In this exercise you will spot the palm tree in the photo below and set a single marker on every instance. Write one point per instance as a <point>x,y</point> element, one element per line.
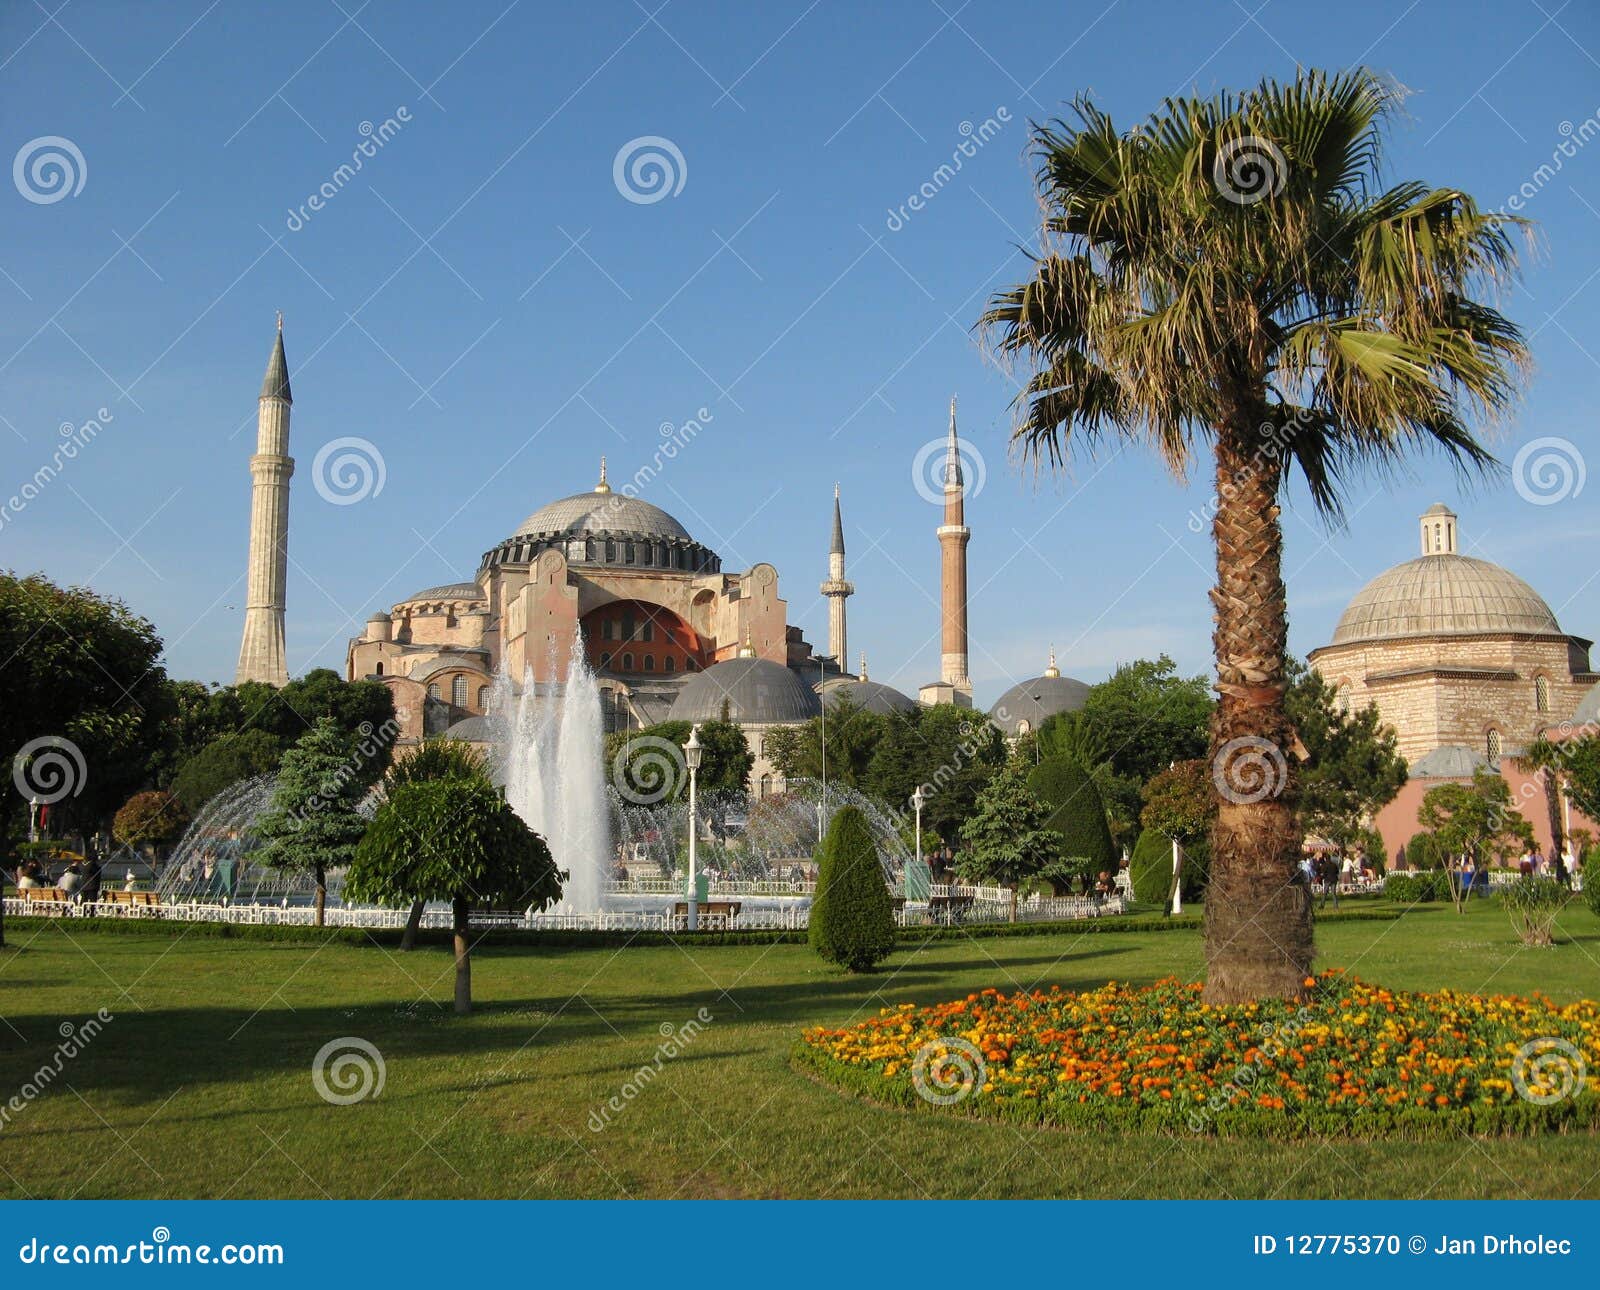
<point>1230,276</point>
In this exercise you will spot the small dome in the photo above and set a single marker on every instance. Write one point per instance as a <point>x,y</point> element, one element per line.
<point>474,730</point>
<point>608,512</point>
<point>1036,701</point>
<point>756,691</point>
<point>1445,595</point>
<point>871,695</point>
<point>1448,762</point>
<point>447,591</point>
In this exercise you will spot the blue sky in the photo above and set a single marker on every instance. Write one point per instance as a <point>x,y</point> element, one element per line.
<point>483,303</point>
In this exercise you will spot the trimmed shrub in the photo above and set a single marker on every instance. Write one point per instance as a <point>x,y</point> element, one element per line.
<point>1424,852</point>
<point>1591,879</point>
<point>1077,813</point>
<point>852,918</point>
<point>1150,868</point>
<point>1416,888</point>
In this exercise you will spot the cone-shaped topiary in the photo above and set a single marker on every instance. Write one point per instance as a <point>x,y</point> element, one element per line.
<point>852,918</point>
<point>1077,813</point>
<point>1150,868</point>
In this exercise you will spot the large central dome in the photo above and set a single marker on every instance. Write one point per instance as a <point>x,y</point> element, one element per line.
<point>601,511</point>
<point>1444,594</point>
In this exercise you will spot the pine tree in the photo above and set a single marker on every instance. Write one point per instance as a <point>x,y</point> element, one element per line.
<point>1007,840</point>
<point>852,917</point>
<point>312,825</point>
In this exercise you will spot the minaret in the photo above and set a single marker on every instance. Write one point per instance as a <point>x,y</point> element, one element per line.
<point>953,536</point>
<point>261,651</point>
<point>837,590</point>
<point>1052,670</point>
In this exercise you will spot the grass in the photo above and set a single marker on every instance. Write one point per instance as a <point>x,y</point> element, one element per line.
<point>201,1084</point>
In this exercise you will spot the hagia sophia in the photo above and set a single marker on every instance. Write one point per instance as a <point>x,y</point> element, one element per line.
<point>1460,656</point>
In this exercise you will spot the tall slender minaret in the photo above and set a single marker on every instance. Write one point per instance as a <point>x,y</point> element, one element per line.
<point>261,651</point>
<point>953,536</point>
<point>837,590</point>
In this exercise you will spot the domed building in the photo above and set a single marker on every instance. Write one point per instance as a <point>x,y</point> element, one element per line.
<point>1463,659</point>
<point>1029,704</point>
<point>1455,651</point>
<point>859,690</point>
<point>667,631</point>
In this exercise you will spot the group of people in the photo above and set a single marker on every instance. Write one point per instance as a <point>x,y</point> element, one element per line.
<point>83,878</point>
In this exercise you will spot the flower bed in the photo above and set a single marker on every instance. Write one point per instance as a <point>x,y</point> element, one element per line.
<point>1350,1058</point>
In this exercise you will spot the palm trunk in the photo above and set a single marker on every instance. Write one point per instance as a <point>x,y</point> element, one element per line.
<point>408,940</point>
<point>463,957</point>
<point>1257,914</point>
<point>321,902</point>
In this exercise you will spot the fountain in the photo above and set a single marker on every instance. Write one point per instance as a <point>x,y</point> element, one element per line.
<point>548,745</point>
<point>212,861</point>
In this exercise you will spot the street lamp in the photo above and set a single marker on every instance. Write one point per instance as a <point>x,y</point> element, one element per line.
<point>692,753</point>
<point>918,798</point>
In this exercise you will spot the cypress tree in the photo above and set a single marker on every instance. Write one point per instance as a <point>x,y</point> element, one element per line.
<point>852,916</point>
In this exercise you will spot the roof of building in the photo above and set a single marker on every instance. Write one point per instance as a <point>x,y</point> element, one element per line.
<point>1445,595</point>
<point>1449,762</point>
<point>836,544</point>
<point>477,730</point>
<point>874,696</point>
<point>602,511</point>
<point>1038,700</point>
<point>275,385</point>
<point>756,691</point>
<point>447,591</point>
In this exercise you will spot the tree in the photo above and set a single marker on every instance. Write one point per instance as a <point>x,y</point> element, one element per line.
<point>852,917</point>
<point>1352,766</point>
<point>430,761</point>
<point>1007,838</point>
<point>1230,280</point>
<point>951,752</point>
<point>453,839</point>
<point>1475,820</point>
<point>224,762</point>
<point>1569,765</point>
<point>150,819</point>
<point>636,769</point>
<point>85,669</point>
<point>1181,802</point>
<point>313,825</point>
<point>852,736</point>
<point>1076,817</point>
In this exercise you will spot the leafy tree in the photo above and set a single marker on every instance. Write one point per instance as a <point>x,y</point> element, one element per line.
<point>312,824</point>
<point>952,752</point>
<point>1074,736</point>
<point>150,819</point>
<point>1476,820</point>
<point>1181,802</point>
<point>1230,284</point>
<point>224,762</point>
<point>725,762</point>
<point>430,761</point>
<point>1572,765</point>
<point>1534,903</point>
<point>82,667</point>
<point>1076,817</point>
<point>1352,767</point>
<point>852,917</point>
<point>1007,839</point>
<point>453,839</point>
<point>853,734</point>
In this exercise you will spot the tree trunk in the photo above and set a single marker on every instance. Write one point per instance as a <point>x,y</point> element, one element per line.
<point>1552,805</point>
<point>1257,911</point>
<point>321,898</point>
<point>463,957</point>
<point>408,941</point>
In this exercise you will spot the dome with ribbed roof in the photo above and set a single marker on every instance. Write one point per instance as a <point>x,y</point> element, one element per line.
<point>1029,704</point>
<point>447,591</point>
<point>756,691</point>
<point>601,511</point>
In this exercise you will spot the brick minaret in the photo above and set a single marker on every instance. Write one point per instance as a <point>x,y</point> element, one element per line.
<point>261,651</point>
<point>953,536</point>
<point>837,590</point>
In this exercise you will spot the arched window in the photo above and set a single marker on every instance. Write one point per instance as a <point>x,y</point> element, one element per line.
<point>627,662</point>
<point>483,696</point>
<point>605,659</point>
<point>766,786</point>
<point>1541,693</point>
<point>648,632</point>
<point>380,669</point>
<point>433,689</point>
<point>1024,726</point>
<point>458,691</point>
<point>649,662</point>
<point>1492,745</point>
<point>667,664</point>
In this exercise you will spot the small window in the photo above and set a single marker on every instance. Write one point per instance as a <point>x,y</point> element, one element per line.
<point>627,662</point>
<point>380,670</point>
<point>458,691</point>
<point>1492,745</point>
<point>1541,693</point>
<point>649,662</point>
<point>648,631</point>
<point>667,664</point>
<point>433,689</point>
<point>1024,726</point>
<point>766,786</point>
<point>627,557</point>
<point>605,659</point>
<point>483,696</point>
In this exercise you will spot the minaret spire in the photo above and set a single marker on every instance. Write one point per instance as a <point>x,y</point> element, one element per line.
<point>1052,670</point>
<point>862,675</point>
<point>261,649</point>
<point>602,486</point>
<point>837,590</point>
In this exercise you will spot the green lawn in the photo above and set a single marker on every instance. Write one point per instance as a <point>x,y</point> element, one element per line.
<point>201,1085</point>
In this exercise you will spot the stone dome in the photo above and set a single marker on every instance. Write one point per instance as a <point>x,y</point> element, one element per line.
<point>1445,595</point>
<point>1450,761</point>
<point>595,512</point>
<point>1029,704</point>
<point>757,691</point>
<point>873,696</point>
<point>447,591</point>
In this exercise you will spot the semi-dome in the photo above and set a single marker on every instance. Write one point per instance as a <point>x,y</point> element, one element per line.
<point>756,691</point>
<point>1029,704</point>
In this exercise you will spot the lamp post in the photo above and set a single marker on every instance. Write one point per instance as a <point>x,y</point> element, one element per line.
<point>918,798</point>
<point>692,752</point>
<point>33,819</point>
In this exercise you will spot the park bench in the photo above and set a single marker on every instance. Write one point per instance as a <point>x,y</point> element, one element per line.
<point>58,901</point>
<point>725,910</point>
<point>132,898</point>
